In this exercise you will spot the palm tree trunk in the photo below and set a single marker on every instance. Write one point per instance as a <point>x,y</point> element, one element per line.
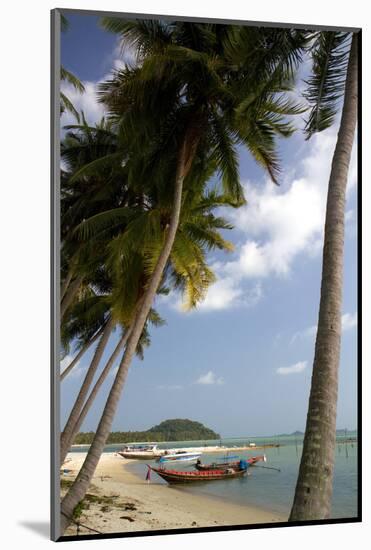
<point>99,383</point>
<point>69,295</point>
<point>314,485</point>
<point>66,283</point>
<point>66,436</point>
<point>82,481</point>
<point>81,353</point>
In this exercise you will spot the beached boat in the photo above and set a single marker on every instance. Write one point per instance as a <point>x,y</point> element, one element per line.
<point>225,465</point>
<point>174,476</point>
<point>179,456</point>
<point>141,451</point>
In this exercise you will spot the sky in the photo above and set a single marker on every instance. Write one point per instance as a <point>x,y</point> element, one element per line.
<point>241,363</point>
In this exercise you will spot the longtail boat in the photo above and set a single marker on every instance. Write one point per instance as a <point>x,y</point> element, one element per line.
<point>174,476</point>
<point>225,465</point>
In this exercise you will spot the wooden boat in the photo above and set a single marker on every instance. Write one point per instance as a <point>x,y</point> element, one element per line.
<point>174,476</point>
<point>225,465</point>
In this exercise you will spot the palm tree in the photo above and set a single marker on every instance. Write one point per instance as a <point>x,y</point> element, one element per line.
<point>314,485</point>
<point>81,350</point>
<point>67,434</point>
<point>67,76</point>
<point>66,103</point>
<point>84,401</point>
<point>85,306</point>
<point>187,270</point>
<point>135,229</point>
<point>185,97</point>
<point>82,197</point>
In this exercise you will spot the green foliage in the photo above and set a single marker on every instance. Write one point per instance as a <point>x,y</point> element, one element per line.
<point>325,86</point>
<point>180,429</point>
<point>66,483</point>
<point>227,77</point>
<point>78,510</point>
<point>65,103</point>
<point>72,79</point>
<point>169,430</point>
<point>203,87</point>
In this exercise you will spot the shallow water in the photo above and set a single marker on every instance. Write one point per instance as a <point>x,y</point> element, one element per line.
<point>266,488</point>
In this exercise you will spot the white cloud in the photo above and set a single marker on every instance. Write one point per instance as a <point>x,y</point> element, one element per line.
<point>281,223</point>
<point>209,378</point>
<point>298,367</point>
<point>222,294</point>
<point>87,102</point>
<point>276,226</point>
<point>122,57</point>
<point>304,334</point>
<point>348,321</point>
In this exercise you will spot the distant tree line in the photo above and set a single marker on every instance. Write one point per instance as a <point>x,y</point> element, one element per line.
<point>169,430</point>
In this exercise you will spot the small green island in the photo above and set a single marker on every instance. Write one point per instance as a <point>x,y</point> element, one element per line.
<point>177,429</point>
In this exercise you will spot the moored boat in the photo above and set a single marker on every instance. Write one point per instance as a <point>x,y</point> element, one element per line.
<point>179,456</point>
<point>148,451</point>
<point>174,476</point>
<point>225,465</point>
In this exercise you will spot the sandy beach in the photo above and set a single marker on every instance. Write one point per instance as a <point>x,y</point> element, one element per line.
<point>120,501</point>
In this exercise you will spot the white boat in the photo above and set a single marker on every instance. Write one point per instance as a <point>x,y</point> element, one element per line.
<point>179,456</point>
<point>143,451</point>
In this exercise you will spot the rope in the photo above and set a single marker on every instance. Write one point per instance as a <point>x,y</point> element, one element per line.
<point>268,468</point>
<point>79,524</point>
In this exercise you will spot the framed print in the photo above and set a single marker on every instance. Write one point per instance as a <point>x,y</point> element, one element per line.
<point>205,368</point>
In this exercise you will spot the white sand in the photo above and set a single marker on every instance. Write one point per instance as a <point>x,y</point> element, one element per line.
<point>152,505</point>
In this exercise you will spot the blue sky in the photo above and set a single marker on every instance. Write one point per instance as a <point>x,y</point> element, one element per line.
<point>242,362</point>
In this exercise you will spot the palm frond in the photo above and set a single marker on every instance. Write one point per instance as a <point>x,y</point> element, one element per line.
<point>226,158</point>
<point>143,36</point>
<point>189,265</point>
<point>325,86</point>
<point>67,105</point>
<point>97,165</point>
<point>108,219</point>
<point>72,79</point>
<point>206,237</point>
<point>260,140</point>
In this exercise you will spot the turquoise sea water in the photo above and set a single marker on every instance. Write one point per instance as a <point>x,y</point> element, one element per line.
<point>266,488</point>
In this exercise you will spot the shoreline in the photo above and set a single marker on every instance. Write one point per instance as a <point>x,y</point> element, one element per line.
<point>121,501</point>
<point>204,449</point>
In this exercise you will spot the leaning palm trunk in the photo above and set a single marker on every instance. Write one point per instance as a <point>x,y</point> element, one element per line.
<point>314,485</point>
<point>78,356</point>
<point>98,384</point>
<point>82,481</point>
<point>69,295</point>
<point>67,434</point>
